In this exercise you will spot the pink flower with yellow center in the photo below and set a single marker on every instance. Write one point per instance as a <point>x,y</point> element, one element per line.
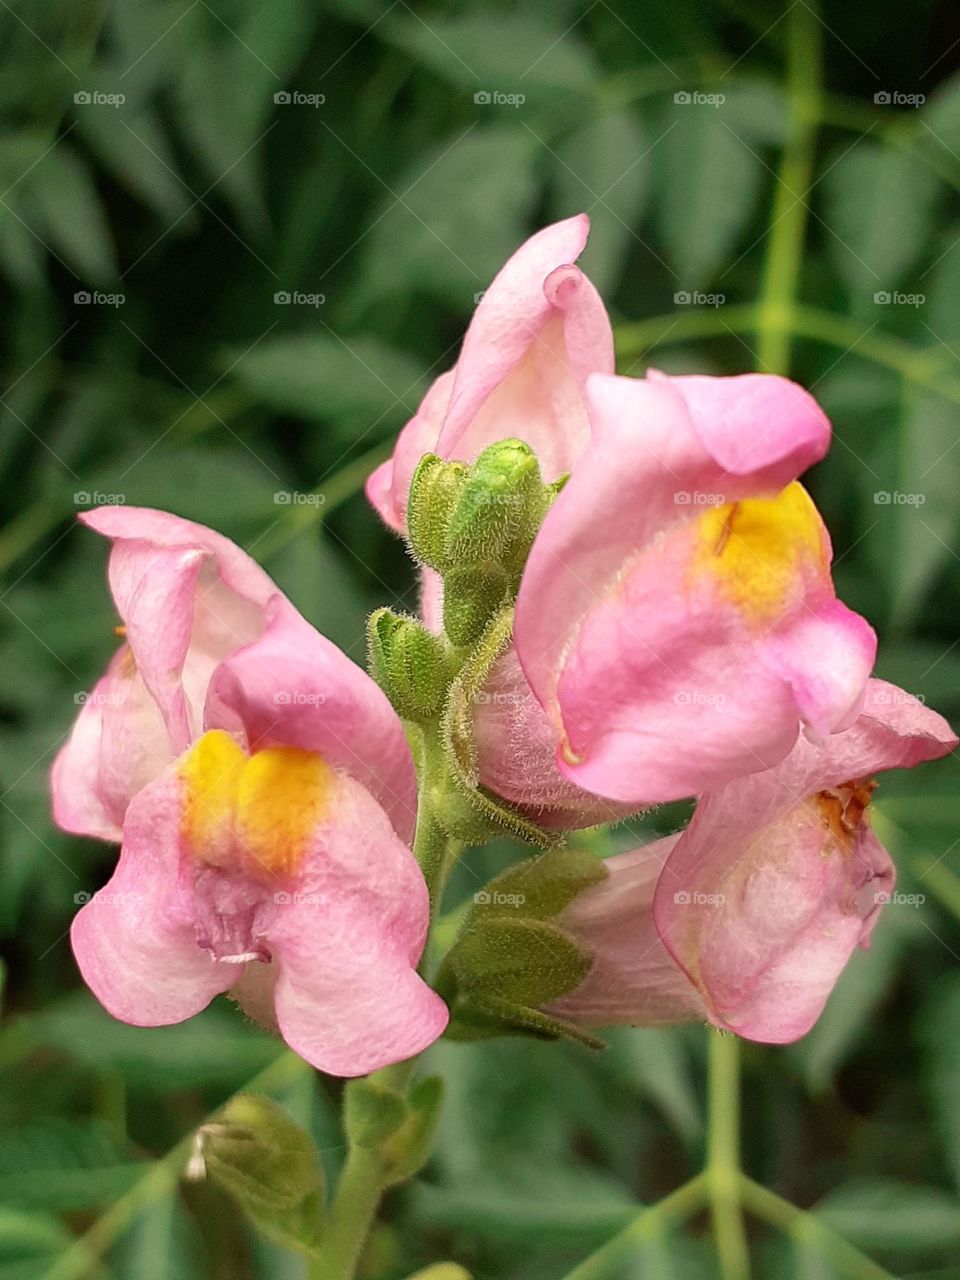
<point>676,619</point>
<point>265,796</point>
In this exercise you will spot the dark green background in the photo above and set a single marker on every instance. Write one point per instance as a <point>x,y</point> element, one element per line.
<point>198,199</point>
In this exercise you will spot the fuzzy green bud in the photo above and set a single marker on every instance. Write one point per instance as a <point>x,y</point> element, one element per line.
<point>408,663</point>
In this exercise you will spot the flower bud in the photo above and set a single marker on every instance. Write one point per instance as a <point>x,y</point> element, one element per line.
<point>408,663</point>
<point>500,507</point>
<point>434,491</point>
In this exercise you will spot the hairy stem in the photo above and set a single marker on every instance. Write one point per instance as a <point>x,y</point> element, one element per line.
<point>350,1217</point>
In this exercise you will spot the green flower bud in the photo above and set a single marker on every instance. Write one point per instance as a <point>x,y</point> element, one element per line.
<point>500,507</point>
<point>268,1164</point>
<point>435,489</point>
<point>408,662</point>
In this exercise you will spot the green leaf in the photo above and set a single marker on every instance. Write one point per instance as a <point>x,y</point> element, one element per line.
<point>510,52</point>
<point>215,1048</point>
<point>939,1030</point>
<point>320,376</point>
<point>161,1243</point>
<point>708,181</point>
<point>880,205</point>
<point>62,1164</point>
<point>372,1112</point>
<point>67,212</point>
<point>410,1145</point>
<point>885,1216</point>
<point>604,166</point>
<point>445,238</point>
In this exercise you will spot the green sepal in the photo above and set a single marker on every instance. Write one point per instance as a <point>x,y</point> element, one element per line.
<point>501,505</point>
<point>546,883</point>
<point>268,1164</point>
<point>372,1112</point>
<point>409,1147</point>
<point>512,958</point>
<point>471,596</point>
<point>435,489</point>
<point>499,973</point>
<point>466,810</point>
<point>408,662</point>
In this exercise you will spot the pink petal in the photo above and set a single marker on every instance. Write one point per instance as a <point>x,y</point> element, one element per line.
<point>659,682</point>
<point>348,997</point>
<point>135,941</point>
<point>754,420</point>
<point>537,332</point>
<point>292,686</point>
<point>763,898</point>
<point>117,745</point>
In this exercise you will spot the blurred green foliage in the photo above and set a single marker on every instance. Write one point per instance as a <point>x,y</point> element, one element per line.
<point>204,199</point>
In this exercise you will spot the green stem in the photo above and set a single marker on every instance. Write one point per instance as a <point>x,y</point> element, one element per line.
<point>723,1156</point>
<point>789,223</point>
<point>806,1230</point>
<point>648,1224</point>
<point>350,1216</point>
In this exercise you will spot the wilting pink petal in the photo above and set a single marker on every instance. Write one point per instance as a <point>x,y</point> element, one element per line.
<point>676,617</point>
<point>779,875</point>
<point>537,333</point>
<point>633,978</point>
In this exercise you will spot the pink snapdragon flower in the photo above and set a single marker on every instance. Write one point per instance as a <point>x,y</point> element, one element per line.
<point>265,796</point>
<point>748,917</point>
<point>537,333</point>
<point>677,618</point>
